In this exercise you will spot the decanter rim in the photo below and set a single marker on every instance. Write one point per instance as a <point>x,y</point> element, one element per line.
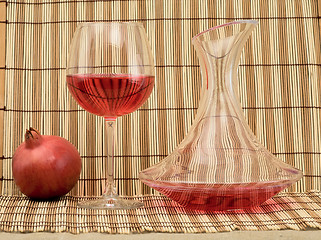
<point>254,22</point>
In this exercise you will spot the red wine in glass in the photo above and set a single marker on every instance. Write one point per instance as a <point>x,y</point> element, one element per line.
<point>110,72</point>
<point>110,95</point>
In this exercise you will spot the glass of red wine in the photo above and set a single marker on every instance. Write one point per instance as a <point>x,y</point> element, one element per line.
<point>110,73</point>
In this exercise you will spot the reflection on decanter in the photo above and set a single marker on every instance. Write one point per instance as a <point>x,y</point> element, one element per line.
<point>220,164</point>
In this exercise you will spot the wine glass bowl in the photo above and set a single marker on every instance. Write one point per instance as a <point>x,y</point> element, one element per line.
<point>110,95</point>
<point>110,73</point>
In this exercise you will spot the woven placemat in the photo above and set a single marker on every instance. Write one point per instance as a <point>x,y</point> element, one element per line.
<point>279,90</point>
<point>297,211</point>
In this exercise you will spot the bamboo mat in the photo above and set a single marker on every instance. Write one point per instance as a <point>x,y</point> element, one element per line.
<point>296,211</point>
<point>279,90</point>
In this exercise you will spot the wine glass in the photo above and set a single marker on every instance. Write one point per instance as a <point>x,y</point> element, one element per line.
<point>110,73</point>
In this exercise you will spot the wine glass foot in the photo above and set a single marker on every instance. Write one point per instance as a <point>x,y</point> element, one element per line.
<point>111,202</point>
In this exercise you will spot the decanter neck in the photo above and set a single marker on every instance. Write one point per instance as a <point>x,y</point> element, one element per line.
<point>219,51</point>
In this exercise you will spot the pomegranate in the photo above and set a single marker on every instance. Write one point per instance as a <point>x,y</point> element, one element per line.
<point>45,167</point>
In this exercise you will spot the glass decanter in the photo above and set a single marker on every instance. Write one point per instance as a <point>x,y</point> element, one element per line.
<point>220,164</point>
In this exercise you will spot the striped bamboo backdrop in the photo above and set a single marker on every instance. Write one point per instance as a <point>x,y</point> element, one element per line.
<point>278,88</point>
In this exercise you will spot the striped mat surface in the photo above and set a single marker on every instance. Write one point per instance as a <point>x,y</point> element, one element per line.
<point>279,91</point>
<point>296,211</point>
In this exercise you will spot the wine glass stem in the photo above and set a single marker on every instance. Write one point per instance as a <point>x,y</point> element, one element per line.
<point>110,189</point>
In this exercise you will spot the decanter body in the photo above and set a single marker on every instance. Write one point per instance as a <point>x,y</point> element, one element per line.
<point>220,164</point>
